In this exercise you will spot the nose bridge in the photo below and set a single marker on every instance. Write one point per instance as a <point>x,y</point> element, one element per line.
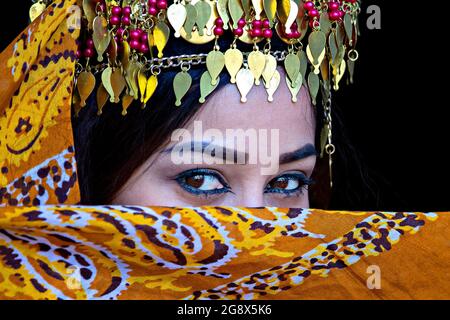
<point>252,193</point>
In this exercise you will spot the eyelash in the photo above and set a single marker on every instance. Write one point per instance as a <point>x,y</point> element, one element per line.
<point>303,180</point>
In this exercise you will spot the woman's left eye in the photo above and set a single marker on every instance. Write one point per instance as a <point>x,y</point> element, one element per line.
<point>288,184</point>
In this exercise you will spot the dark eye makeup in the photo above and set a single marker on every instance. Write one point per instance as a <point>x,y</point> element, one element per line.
<point>207,182</point>
<point>202,182</point>
<point>289,184</point>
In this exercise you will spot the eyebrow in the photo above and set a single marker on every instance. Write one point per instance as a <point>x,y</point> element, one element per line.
<point>194,145</point>
<point>306,151</point>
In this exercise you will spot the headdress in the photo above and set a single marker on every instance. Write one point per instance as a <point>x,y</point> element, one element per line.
<point>124,42</point>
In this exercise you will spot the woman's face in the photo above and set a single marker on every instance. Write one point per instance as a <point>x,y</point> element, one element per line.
<point>251,155</point>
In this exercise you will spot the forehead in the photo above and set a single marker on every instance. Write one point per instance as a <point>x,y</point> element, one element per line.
<point>295,121</point>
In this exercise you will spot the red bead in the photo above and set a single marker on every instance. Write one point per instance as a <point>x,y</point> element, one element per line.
<point>218,31</point>
<point>88,53</point>
<point>153,11</point>
<point>296,34</point>
<point>241,23</point>
<point>90,43</point>
<point>334,15</point>
<point>135,34</point>
<point>152,3</point>
<point>79,54</point>
<point>162,4</point>
<point>144,37</point>
<point>256,33</point>
<point>309,5</point>
<point>341,14</point>
<point>134,44</point>
<point>120,32</point>
<point>126,21</point>
<point>143,48</point>
<point>114,20</point>
<point>294,26</point>
<point>333,6</point>
<point>267,33</point>
<point>116,11</point>
<point>257,24</point>
<point>238,32</point>
<point>313,13</point>
<point>126,10</point>
<point>219,22</point>
<point>266,23</point>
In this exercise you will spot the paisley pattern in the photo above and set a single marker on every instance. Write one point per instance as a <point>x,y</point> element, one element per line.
<point>123,252</point>
<point>37,71</point>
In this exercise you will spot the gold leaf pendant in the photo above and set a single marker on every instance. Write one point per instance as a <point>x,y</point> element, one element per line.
<point>126,102</point>
<point>101,36</point>
<point>273,85</point>
<point>206,88</point>
<point>295,86</point>
<point>161,35</point>
<point>152,84</point>
<point>215,62</point>
<point>36,10</point>
<point>256,64</point>
<point>292,66</point>
<point>244,82</point>
<point>102,98</point>
<point>118,84</point>
<point>269,69</point>
<point>233,62</point>
<point>85,86</point>
<point>181,85</point>
<point>176,14</point>
<point>106,81</point>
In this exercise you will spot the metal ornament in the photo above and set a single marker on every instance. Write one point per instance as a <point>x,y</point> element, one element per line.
<point>233,62</point>
<point>161,35</point>
<point>215,62</point>
<point>206,88</point>
<point>269,69</point>
<point>272,85</point>
<point>181,85</point>
<point>256,64</point>
<point>36,10</point>
<point>85,86</point>
<point>176,14</point>
<point>294,86</point>
<point>244,81</point>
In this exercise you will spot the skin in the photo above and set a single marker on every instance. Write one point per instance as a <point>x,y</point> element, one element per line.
<point>155,184</point>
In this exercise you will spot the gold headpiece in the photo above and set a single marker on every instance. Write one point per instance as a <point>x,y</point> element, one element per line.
<point>124,41</point>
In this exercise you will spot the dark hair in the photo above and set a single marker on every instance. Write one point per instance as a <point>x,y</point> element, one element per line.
<point>111,147</point>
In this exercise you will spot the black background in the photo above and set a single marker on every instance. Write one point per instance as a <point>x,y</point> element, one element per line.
<point>395,111</point>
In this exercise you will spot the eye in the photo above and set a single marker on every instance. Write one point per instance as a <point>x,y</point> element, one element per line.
<point>288,184</point>
<point>202,182</point>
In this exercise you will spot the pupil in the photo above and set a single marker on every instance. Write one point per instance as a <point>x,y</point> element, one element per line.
<point>196,181</point>
<point>281,184</point>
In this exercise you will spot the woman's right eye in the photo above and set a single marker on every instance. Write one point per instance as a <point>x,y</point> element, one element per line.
<point>202,182</point>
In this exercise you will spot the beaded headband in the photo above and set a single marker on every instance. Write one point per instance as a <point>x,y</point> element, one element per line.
<point>124,41</point>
